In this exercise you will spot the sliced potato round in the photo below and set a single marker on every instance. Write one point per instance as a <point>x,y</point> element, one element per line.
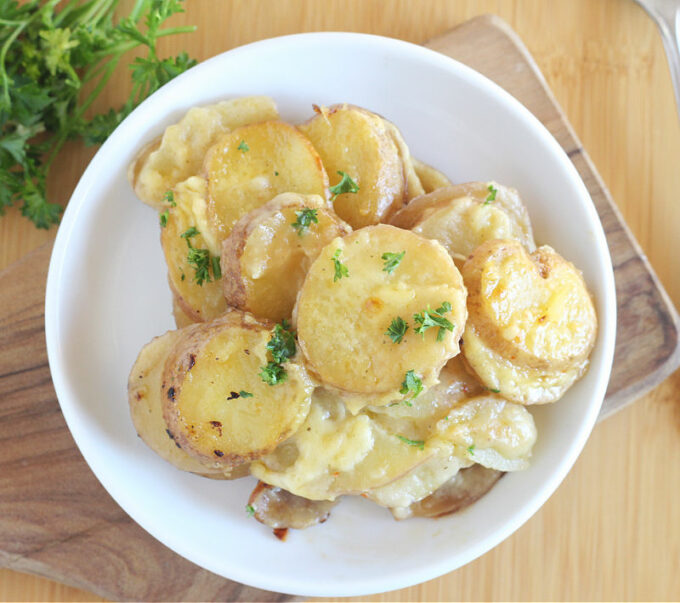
<point>182,319</point>
<point>430,178</point>
<point>350,297</point>
<point>251,165</point>
<point>490,431</point>
<point>518,383</point>
<point>358,143</point>
<point>461,218</point>
<point>199,294</point>
<point>214,400</point>
<point>179,154</point>
<point>267,255</point>
<point>532,309</point>
<point>336,453</point>
<point>414,188</point>
<point>144,397</point>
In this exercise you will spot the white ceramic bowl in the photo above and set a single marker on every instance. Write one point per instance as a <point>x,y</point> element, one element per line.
<point>107,296</point>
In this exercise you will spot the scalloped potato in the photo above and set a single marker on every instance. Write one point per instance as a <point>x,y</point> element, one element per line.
<point>363,359</point>
<point>178,154</point>
<point>216,404</point>
<point>267,255</point>
<point>359,143</point>
<point>430,178</point>
<point>251,165</point>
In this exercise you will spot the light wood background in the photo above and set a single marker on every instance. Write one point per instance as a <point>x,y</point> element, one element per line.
<point>612,530</point>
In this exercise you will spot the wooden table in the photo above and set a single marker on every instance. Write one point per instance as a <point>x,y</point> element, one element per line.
<point>612,530</point>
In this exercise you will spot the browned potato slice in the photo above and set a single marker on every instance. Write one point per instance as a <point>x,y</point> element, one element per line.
<point>463,489</point>
<point>430,178</point>
<point>251,165</point>
<point>179,154</point>
<point>358,143</point>
<point>342,322</point>
<point>215,402</point>
<point>198,302</point>
<point>182,319</point>
<point>414,188</point>
<point>532,309</point>
<point>461,218</point>
<point>279,509</point>
<point>266,257</point>
<point>517,383</point>
<point>144,396</point>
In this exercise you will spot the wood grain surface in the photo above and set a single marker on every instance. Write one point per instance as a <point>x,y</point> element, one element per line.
<point>611,531</point>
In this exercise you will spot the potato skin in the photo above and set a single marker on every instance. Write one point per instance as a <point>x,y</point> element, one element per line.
<point>202,379</point>
<point>355,141</point>
<point>265,259</point>
<point>462,217</point>
<point>533,309</point>
<point>144,397</point>
<point>430,178</point>
<point>363,359</point>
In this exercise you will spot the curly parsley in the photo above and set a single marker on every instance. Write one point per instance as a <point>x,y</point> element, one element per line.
<point>305,217</point>
<point>243,146</point>
<point>434,318</point>
<point>492,194</point>
<point>392,260</point>
<point>346,185</point>
<point>340,268</point>
<point>282,347</point>
<point>201,260</point>
<point>412,384</point>
<point>397,329</point>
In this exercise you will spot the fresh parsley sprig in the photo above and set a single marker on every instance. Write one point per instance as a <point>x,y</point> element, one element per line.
<point>50,51</point>
<point>200,259</point>
<point>397,329</point>
<point>282,347</point>
<point>412,385</point>
<point>434,318</point>
<point>346,185</point>
<point>340,269</point>
<point>305,218</point>
<point>492,194</point>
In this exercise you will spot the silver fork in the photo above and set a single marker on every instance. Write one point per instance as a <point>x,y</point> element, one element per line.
<point>666,15</point>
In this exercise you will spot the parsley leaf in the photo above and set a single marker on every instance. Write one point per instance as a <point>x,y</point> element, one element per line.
<point>273,373</point>
<point>244,394</point>
<point>392,260</point>
<point>471,449</point>
<point>397,329</point>
<point>434,318</point>
<point>243,146</point>
<point>340,268</point>
<point>201,260</point>
<point>412,384</point>
<point>305,217</point>
<point>420,444</point>
<point>192,231</point>
<point>492,194</point>
<point>282,343</point>
<point>346,185</point>
<point>250,510</point>
<point>164,218</point>
<point>56,57</point>
<point>169,197</point>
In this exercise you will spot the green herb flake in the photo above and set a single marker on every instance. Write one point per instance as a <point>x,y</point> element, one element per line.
<point>495,391</point>
<point>282,343</point>
<point>420,444</point>
<point>276,173</point>
<point>392,260</point>
<point>216,268</point>
<point>346,185</point>
<point>492,194</point>
<point>305,217</point>
<point>169,197</point>
<point>250,510</point>
<point>189,233</point>
<point>199,259</point>
<point>273,373</point>
<point>397,329</point>
<point>244,394</point>
<point>340,268</point>
<point>243,146</point>
<point>412,384</point>
<point>434,318</point>
<point>471,449</point>
<point>164,218</point>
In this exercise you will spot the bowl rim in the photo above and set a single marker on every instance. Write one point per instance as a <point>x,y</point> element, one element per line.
<point>395,48</point>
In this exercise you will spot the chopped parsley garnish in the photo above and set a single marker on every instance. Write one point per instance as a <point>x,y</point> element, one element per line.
<point>495,391</point>
<point>201,260</point>
<point>471,449</point>
<point>243,146</point>
<point>492,194</point>
<point>245,394</point>
<point>273,373</point>
<point>164,218</point>
<point>412,384</point>
<point>276,173</point>
<point>282,347</point>
<point>250,510</point>
<point>340,269</point>
<point>392,260</point>
<point>397,329</point>
<point>434,318</point>
<point>346,185</point>
<point>282,343</point>
<point>305,217</point>
<point>420,444</point>
<point>169,197</point>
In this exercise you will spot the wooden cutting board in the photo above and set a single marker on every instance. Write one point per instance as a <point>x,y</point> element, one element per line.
<point>56,520</point>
